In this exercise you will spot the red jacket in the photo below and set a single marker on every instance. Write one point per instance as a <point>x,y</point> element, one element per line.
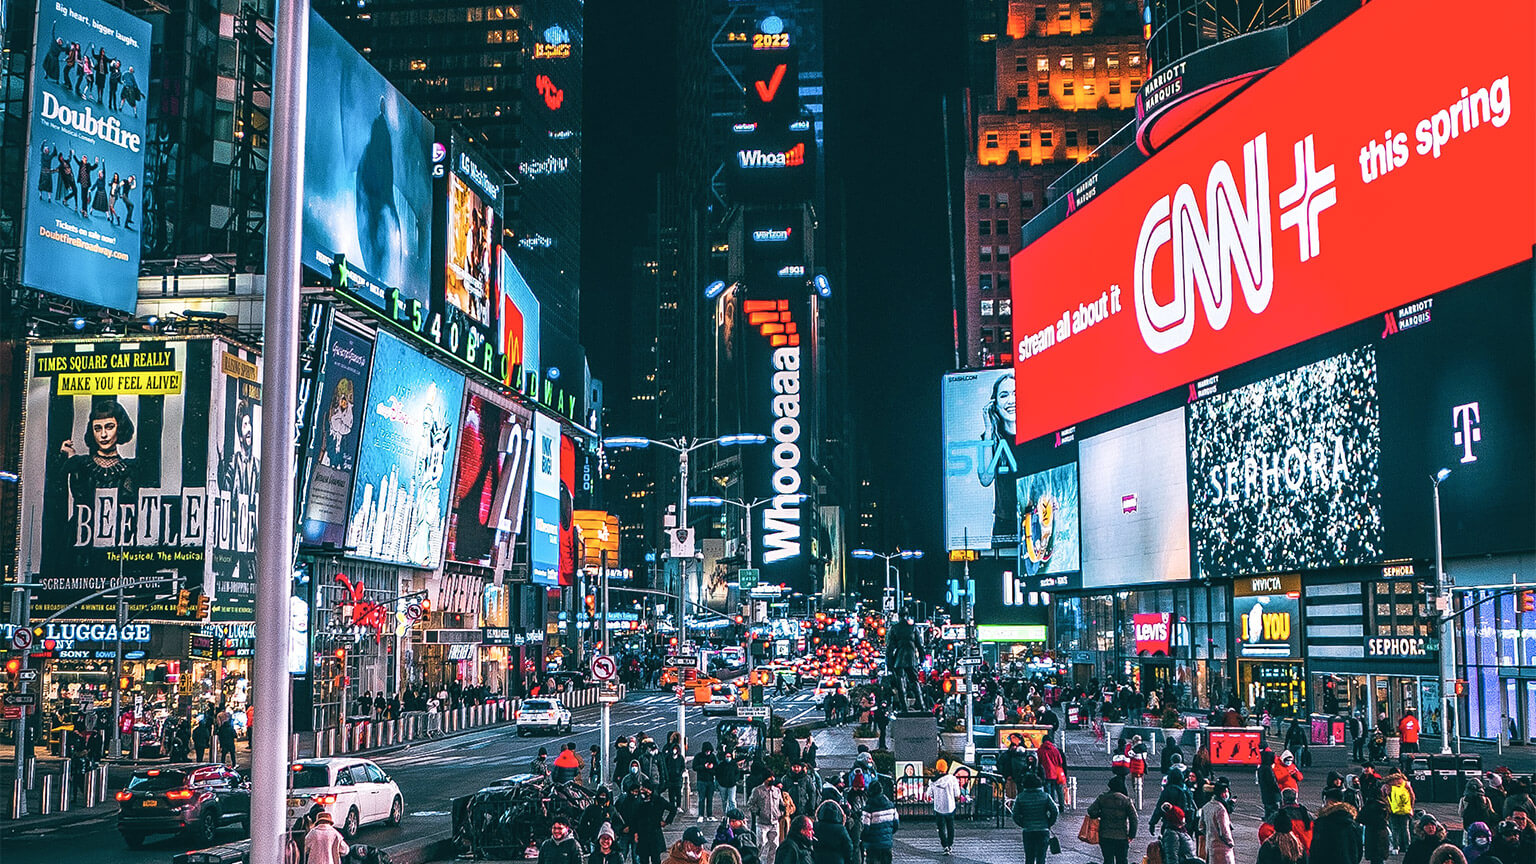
<point>1287,777</point>
<point>1051,763</point>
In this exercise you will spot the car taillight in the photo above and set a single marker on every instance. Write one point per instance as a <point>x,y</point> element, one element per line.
<point>124,795</point>
<point>179,794</point>
<point>325,799</point>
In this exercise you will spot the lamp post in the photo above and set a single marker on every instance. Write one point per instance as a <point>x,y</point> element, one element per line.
<point>1447,631</point>
<point>716,501</point>
<point>887,557</point>
<point>682,447</point>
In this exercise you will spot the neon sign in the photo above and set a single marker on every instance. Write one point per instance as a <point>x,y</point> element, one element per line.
<point>365,613</point>
<point>553,96</point>
<point>755,158</point>
<point>781,521</point>
<point>771,235</point>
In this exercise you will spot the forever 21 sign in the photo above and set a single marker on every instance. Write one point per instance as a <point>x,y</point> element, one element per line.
<point>1396,646</point>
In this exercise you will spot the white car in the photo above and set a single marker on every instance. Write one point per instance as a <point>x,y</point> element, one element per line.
<point>355,792</point>
<point>722,700</point>
<point>542,713</point>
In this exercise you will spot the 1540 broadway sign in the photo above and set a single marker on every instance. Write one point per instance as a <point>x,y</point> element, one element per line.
<point>1281,218</point>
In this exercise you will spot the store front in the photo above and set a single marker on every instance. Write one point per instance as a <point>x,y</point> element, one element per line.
<point>1496,647</point>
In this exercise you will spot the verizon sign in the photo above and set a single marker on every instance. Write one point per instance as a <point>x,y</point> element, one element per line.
<point>1296,209</point>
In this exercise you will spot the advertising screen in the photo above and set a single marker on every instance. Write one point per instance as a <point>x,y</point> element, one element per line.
<point>234,431</point>
<point>1136,503</point>
<point>117,471</point>
<point>544,543</point>
<point>519,320</point>
<point>1286,471</point>
<point>1049,543</point>
<point>339,399</point>
<point>495,452</point>
<point>980,510</point>
<point>568,552</point>
<point>777,388</point>
<point>401,490</point>
<point>367,176</point>
<point>1259,228</point>
<point>1002,594</point>
<point>85,158</point>
<point>1267,626</point>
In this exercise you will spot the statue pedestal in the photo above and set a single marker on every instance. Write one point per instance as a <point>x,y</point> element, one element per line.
<point>913,738</point>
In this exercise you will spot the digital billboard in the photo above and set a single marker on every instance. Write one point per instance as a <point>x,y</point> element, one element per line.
<point>495,454</point>
<point>1257,229</point>
<point>117,471</point>
<point>85,156</point>
<point>980,467</point>
<point>338,398</point>
<point>402,483</point>
<point>544,543</point>
<point>1135,500</point>
<point>1049,543</point>
<point>1285,472</point>
<point>568,553</point>
<point>777,388</point>
<point>1002,594</point>
<point>235,434</point>
<point>519,321</point>
<point>367,178</point>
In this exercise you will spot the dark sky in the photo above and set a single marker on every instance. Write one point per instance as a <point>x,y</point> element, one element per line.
<point>888,63</point>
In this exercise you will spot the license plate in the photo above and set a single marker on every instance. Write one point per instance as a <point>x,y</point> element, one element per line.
<point>151,803</point>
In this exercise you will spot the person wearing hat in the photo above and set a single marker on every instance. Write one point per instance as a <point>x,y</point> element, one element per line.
<point>1336,835</point>
<point>1376,823</point>
<point>1428,835</point>
<point>645,814</point>
<point>944,792</point>
<point>1216,819</point>
<point>1505,847</point>
<point>323,844</point>
<point>1287,775</point>
<point>799,847</point>
<point>1117,821</point>
<point>1175,793</point>
<point>607,851</point>
<point>1477,839</point>
<point>1301,820</point>
<point>1176,844</point>
<point>734,832</point>
<point>1408,730</point>
<point>832,845</point>
<point>1035,812</point>
<point>601,813</point>
<point>1475,806</point>
<point>1283,846</point>
<point>561,847</point>
<point>690,849</point>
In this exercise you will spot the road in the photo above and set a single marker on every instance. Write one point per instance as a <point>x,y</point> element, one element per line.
<point>430,775</point>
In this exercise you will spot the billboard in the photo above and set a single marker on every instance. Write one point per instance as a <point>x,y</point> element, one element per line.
<point>980,467</point>
<point>1257,228</point>
<point>1135,499</point>
<point>401,488</point>
<point>117,469</point>
<point>544,543</point>
<point>1049,543</point>
<point>367,178</point>
<point>567,509</point>
<point>713,587</point>
<point>519,320</point>
<point>340,391</point>
<point>1286,471</point>
<point>599,537</point>
<point>234,427</point>
<point>1003,594</point>
<point>85,156</point>
<point>777,386</point>
<point>495,452</point>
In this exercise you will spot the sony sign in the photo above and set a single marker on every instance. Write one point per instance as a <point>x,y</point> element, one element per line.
<point>781,521</point>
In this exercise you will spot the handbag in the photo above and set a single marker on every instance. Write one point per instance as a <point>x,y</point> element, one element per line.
<point>1154,853</point>
<point>1055,845</point>
<point>1089,832</point>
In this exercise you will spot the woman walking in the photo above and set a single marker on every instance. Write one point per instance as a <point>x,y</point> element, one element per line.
<point>1117,822</point>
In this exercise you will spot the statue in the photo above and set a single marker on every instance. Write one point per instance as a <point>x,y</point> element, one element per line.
<point>904,650</point>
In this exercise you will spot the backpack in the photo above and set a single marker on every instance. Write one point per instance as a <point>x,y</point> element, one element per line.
<point>859,781</point>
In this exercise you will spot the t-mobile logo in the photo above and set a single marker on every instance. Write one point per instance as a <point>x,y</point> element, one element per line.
<point>1013,589</point>
<point>1467,421</point>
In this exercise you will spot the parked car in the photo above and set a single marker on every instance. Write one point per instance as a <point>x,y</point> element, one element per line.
<point>541,713</point>
<point>356,792</point>
<point>194,799</point>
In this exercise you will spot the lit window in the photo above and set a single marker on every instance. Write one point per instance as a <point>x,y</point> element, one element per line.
<point>1023,140</point>
<point>1020,63</point>
<point>1042,64</point>
<point>1114,85</point>
<point>1045,138</point>
<point>1002,200</point>
<point>1002,253</point>
<point>991,140</point>
<point>1064,13</point>
<point>1093,137</point>
<point>1071,137</point>
<point>986,308</point>
<point>1066,88</point>
<point>1085,11</point>
<point>983,201</point>
<point>986,253</point>
<point>986,335</point>
<point>1005,306</point>
<point>418,65</point>
<point>1088,62</point>
<point>1134,60</point>
<point>1135,85</point>
<point>1087,88</point>
<point>1066,63</point>
<point>984,228</point>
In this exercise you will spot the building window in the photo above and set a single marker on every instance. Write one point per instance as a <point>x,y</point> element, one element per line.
<point>1002,200</point>
<point>1087,88</point>
<point>987,335</point>
<point>984,228</point>
<point>1039,13</point>
<point>1045,139</point>
<point>986,282</point>
<point>1134,60</point>
<point>986,308</point>
<point>1064,13</point>
<point>1005,306</point>
<point>1021,90</point>
<point>1002,253</point>
<point>1002,227</point>
<point>1066,64</point>
<point>983,201</point>
<point>1027,200</point>
<point>1114,86</point>
<point>1020,63</point>
<point>986,254</point>
<point>1023,140</point>
<point>1002,281</point>
<point>991,140</point>
<point>1088,62</point>
<point>1042,64</point>
<point>1093,137</point>
<point>1066,88</point>
<point>1112,62</point>
<point>1043,89</point>
<point>1071,137</point>
<point>1085,11</point>
<point>1135,85</point>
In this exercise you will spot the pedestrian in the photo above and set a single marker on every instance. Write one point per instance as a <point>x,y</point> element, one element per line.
<point>567,766</point>
<point>878,826</point>
<point>1174,793</point>
<point>323,844</point>
<point>1514,842</point>
<point>226,733</point>
<point>672,764</point>
<point>1301,820</point>
<point>1287,775</point>
<point>1282,847</point>
<point>1269,789</point>
<point>595,764</point>
<point>704,778</point>
<point>1117,821</point>
<point>832,844</point>
<point>944,792</point>
<point>607,851</point>
<point>1216,821</point>
<point>1400,799</point>
<point>201,738</point>
<point>645,814</point>
<point>1376,823</point>
<point>1034,812</point>
<point>1408,730</point>
<point>766,805</point>
<point>561,847</point>
<point>728,777</point>
<point>689,849</point>
<point>1053,765</point>
<point>600,814</point>
<point>735,832</point>
<point>1336,835</point>
<point>1176,844</point>
<point>1428,836</point>
<point>1477,839</point>
<point>1475,806</point>
<point>803,789</point>
<point>799,846</point>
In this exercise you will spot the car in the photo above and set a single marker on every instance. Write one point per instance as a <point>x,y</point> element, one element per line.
<point>829,684</point>
<point>194,799</point>
<point>356,792</point>
<point>723,699</point>
<point>541,713</point>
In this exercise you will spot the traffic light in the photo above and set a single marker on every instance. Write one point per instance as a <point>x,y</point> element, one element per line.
<point>13,668</point>
<point>1528,601</point>
<point>204,605</point>
<point>591,604</point>
<point>1461,687</point>
<point>125,683</point>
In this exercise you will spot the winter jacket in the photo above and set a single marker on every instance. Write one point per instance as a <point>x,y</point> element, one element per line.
<point>704,767</point>
<point>1287,777</point>
<point>614,856</point>
<point>727,773</point>
<point>1178,847</point>
<point>1422,848</point>
<point>566,851</point>
<point>1448,854</point>
<point>1116,815</point>
<point>1376,820</point>
<point>795,850</point>
<point>644,815</point>
<point>805,791</point>
<point>1217,825</point>
<point>592,820</point>
<point>1336,836</point>
<point>1269,853</point>
<point>324,845</point>
<point>833,845</point>
<point>1034,810</point>
<point>878,823</point>
<point>744,840</point>
<point>1476,808</point>
<point>678,854</point>
<point>1177,795</point>
<point>945,794</point>
<point>766,804</point>
<point>672,765</point>
<point>1052,763</point>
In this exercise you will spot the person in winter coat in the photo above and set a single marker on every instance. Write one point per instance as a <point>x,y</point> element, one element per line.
<point>323,844</point>
<point>600,813</point>
<point>1336,835</point>
<point>1177,846</point>
<point>1513,842</point>
<point>944,792</point>
<point>1493,787</point>
<point>1216,821</point>
<point>1269,789</point>
<point>1477,839</point>
<point>1034,812</point>
<point>1117,821</point>
<point>645,813</point>
<point>1448,854</point>
<point>1053,768</point>
<point>832,844</point>
<point>1172,755</point>
<point>607,851</point>
<point>1301,820</point>
<point>704,775</point>
<point>734,831</point>
<point>1376,821</point>
<point>728,777</point>
<point>1287,775</point>
<point>672,764</point>
<point>1428,836</point>
<point>804,789</point>
<point>799,847</point>
<point>1282,847</point>
<point>1400,800</point>
<point>878,826</point>
<point>561,847</point>
<point>1475,806</point>
<point>690,849</point>
<point>1174,793</point>
<point>766,805</point>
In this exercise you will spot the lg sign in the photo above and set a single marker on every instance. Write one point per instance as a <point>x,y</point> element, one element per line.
<point>1260,228</point>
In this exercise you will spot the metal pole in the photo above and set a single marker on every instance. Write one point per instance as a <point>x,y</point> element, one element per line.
<point>1447,638</point>
<point>970,689</point>
<point>607,707</point>
<point>280,359</point>
<point>21,616</point>
<point>117,667</point>
<point>682,582</point>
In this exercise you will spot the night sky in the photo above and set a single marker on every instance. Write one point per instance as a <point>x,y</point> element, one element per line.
<point>888,65</point>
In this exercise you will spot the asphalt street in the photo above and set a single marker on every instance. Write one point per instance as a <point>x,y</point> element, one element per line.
<point>430,775</point>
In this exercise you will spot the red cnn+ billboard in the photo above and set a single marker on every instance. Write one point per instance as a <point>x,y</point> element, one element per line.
<point>1313,200</point>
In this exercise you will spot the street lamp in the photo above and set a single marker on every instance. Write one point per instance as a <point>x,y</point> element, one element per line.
<point>870,554</point>
<point>717,501</point>
<point>1447,637</point>
<point>682,447</point>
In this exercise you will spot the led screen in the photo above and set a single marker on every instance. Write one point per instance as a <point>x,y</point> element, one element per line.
<point>1048,522</point>
<point>519,320</point>
<point>1286,470</point>
<point>495,450</point>
<point>339,391</point>
<point>980,508</point>
<point>1136,503</point>
<point>544,544</point>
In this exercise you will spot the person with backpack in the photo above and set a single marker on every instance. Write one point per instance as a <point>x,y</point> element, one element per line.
<point>1034,812</point>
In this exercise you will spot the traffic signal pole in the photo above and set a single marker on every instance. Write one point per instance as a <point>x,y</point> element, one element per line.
<point>21,616</point>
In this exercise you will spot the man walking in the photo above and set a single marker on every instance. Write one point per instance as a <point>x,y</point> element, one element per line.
<point>945,793</point>
<point>767,807</point>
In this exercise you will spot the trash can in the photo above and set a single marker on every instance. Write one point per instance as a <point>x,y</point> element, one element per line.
<point>1470,767</point>
<point>1421,778</point>
<point>1394,748</point>
<point>1447,786</point>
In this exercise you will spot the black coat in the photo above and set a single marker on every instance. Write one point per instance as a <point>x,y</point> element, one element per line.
<point>1336,836</point>
<point>644,816</point>
<point>833,845</point>
<point>727,773</point>
<point>795,850</point>
<point>565,851</point>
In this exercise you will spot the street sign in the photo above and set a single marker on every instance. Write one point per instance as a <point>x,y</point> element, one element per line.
<point>21,698</point>
<point>754,712</point>
<point>27,675</point>
<point>971,662</point>
<point>609,693</point>
<point>746,578</point>
<point>11,712</point>
<point>21,639</point>
<point>603,667</point>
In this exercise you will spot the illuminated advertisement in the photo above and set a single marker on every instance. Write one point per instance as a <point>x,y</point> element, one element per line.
<point>1003,594</point>
<point>85,156</point>
<point>1267,626</point>
<point>472,207</point>
<point>980,468</point>
<point>777,468</point>
<point>544,543</point>
<point>568,552</point>
<point>403,485</point>
<point>1048,522</point>
<point>519,318</point>
<point>495,454</point>
<point>1256,229</point>
<point>599,534</point>
<point>1284,473</point>
<point>367,179</point>
<point>547,246</point>
<point>118,470</point>
<point>234,432</point>
<point>1135,490</point>
<point>338,427</point>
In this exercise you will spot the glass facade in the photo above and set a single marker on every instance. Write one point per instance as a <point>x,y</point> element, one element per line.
<point>1497,645</point>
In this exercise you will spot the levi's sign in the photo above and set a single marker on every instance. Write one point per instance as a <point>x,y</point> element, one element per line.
<point>1274,221</point>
